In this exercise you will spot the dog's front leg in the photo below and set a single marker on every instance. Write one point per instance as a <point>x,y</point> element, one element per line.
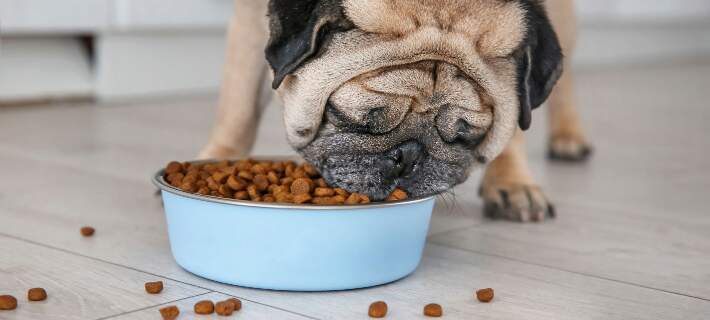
<point>244,73</point>
<point>508,189</point>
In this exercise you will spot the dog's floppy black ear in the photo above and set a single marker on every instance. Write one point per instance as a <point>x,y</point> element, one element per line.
<point>539,62</point>
<point>298,29</point>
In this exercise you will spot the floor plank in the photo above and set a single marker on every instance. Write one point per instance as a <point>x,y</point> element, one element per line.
<point>603,243</point>
<point>630,241</point>
<point>77,287</point>
<point>250,310</point>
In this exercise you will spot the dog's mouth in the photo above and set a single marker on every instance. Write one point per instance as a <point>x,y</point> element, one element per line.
<point>407,166</point>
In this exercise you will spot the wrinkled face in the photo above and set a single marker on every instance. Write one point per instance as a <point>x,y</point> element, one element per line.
<point>411,94</point>
<point>415,126</point>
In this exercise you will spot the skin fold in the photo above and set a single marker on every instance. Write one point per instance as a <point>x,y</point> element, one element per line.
<point>451,110</point>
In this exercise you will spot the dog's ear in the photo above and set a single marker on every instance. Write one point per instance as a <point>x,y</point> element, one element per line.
<point>539,62</point>
<point>298,30</point>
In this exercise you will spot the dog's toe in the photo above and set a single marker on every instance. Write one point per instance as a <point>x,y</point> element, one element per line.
<point>569,149</point>
<point>516,202</point>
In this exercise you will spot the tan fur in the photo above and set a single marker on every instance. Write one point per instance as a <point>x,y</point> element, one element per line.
<point>356,69</point>
<point>453,40</point>
<point>509,185</point>
<point>413,88</point>
<point>244,72</point>
<point>496,27</point>
<point>509,172</point>
<point>565,129</point>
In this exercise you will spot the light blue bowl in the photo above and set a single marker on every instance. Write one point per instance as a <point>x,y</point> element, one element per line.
<point>295,247</point>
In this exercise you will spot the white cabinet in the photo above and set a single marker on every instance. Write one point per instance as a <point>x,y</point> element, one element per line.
<point>164,14</point>
<point>56,16</point>
<point>145,47</point>
<point>76,16</point>
<point>141,47</point>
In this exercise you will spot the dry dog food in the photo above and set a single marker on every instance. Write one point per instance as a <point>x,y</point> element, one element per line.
<point>378,309</point>
<point>204,307</point>
<point>236,303</point>
<point>433,310</point>
<point>8,302</point>
<point>263,181</point>
<point>36,294</point>
<point>224,308</point>
<point>485,295</point>
<point>87,231</point>
<point>169,312</point>
<point>154,287</point>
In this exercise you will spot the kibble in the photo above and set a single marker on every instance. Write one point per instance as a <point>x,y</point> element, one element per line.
<point>87,231</point>
<point>236,303</point>
<point>224,308</point>
<point>204,307</point>
<point>396,195</point>
<point>8,302</point>
<point>378,309</point>
<point>433,310</point>
<point>36,294</point>
<point>485,295</point>
<point>154,287</point>
<point>262,181</point>
<point>169,312</point>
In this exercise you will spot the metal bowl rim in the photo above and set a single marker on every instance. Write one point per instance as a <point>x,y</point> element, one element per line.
<point>160,182</point>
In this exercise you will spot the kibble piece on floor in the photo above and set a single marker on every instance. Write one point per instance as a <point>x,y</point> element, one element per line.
<point>169,312</point>
<point>378,309</point>
<point>485,295</point>
<point>433,310</point>
<point>224,308</point>
<point>154,287</point>
<point>204,307</point>
<point>8,302</point>
<point>36,294</point>
<point>87,231</point>
<point>236,303</point>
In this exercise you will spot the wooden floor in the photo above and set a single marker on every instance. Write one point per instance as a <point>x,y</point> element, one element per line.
<point>631,241</point>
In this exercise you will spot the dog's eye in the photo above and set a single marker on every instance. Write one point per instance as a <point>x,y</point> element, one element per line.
<point>377,120</point>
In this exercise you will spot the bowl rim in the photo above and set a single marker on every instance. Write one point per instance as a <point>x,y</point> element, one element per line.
<point>159,181</point>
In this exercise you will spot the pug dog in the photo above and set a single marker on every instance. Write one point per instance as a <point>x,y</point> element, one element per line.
<point>415,94</point>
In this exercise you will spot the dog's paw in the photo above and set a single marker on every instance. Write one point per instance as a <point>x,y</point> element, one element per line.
<point>569,148</point>
<point>516,202</point>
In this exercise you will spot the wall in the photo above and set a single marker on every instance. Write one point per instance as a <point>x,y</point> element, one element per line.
<point>163,47</point>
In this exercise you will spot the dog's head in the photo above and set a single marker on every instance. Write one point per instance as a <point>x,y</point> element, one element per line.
<point>387,93</point>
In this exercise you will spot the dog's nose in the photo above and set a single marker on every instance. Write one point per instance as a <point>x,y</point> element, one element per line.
<point>401,160</point>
